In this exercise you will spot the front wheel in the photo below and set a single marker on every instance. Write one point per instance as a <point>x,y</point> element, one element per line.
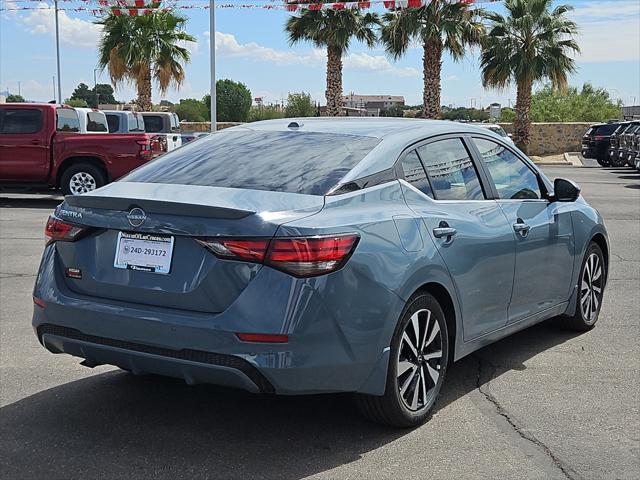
<point>417,366</point>
<point>591,285</point>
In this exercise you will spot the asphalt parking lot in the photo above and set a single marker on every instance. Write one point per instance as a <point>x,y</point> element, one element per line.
<point>542,404</point>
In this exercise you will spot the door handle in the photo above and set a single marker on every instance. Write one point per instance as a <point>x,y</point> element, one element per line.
<point>444,230</point>
<point>35,142</point>
<point>521,228</point>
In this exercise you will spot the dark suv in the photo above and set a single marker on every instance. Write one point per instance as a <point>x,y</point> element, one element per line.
<point>595,142</point>
<point>613,153</point>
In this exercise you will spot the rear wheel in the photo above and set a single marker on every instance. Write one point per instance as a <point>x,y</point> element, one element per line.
<point>591,285</point>
<point>81,178</point>
<point>617,161</point>
<point>603,161</point>
<point>417,366</point>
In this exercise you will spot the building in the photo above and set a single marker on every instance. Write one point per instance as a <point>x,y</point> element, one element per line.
<point>373,104</point>
<point>495,110</point>
<point>631,112</point>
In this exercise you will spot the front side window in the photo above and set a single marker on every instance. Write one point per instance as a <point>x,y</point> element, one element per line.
<point>295,162</point>
<point>96,122</point>
<point>20,120</point>
<point>67,120</point>
<point>512,178</point>
<point>451,171</point>
<point>414,173</point>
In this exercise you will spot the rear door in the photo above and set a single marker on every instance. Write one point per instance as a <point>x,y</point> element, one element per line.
<point>543,231</point>
<point>24,145</point>
<point>469,230</point>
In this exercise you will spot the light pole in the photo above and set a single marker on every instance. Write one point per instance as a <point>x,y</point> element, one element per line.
<point>212,60</point>
<point>95,86</point>
<point>58,53</point>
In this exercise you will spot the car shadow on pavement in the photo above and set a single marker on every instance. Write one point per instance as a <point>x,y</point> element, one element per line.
<point>49,202</point>
<point>114,425</point>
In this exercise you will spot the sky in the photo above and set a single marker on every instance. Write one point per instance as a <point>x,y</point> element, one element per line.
<point>252,48</point>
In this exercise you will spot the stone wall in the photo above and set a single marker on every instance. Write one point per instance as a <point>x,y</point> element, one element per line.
<point>554,138</point>
<point>205,126</point>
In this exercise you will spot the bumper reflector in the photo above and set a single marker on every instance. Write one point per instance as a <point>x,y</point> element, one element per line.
<point>263,338</point>
<point>39,302</point>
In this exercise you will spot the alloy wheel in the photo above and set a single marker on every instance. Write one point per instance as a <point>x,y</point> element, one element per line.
<point>419,362</point>
<point>591,288</point>
<point>82,182</point>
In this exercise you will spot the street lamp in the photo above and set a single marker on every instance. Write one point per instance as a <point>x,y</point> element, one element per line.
<point>212,60</point>
<point>95,86</point>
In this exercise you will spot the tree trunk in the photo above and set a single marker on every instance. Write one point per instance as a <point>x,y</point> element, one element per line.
<point>334,82</point>
<point>144,92</point>
<point>432,66</point>
<point>522,122</point>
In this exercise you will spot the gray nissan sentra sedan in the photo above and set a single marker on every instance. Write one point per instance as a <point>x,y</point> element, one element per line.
<point>320,255</point>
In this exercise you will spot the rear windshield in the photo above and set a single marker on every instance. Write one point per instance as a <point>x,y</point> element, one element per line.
<point>607,129</point>
<point>153,123</point>
<point>294,162</point>
<point>499,130</point>
<point>136,122</point>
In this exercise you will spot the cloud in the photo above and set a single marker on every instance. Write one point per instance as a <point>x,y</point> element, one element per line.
<point>228,46</point>
<point>74,32</point>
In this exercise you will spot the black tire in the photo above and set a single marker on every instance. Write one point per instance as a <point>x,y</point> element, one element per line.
<point>586,316</point>
<point>392,408</point>
<point>617,162</point>
<point>603,161</point>
<point>81,178</point>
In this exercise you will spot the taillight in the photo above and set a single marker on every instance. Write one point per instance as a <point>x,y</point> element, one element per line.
<point>298,256</point>
<point>145,148</point>
<point>599,137</point>
<point>57,230</point>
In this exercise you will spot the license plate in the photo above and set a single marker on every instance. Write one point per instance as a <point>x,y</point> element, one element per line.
<point>144,252</point>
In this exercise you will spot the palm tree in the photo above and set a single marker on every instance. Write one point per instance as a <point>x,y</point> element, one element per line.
<point>143,48</point>
<point>333,30</point>
<point>439,26</point>
<point>531,43</point>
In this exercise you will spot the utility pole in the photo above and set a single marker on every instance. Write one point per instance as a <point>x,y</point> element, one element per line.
<point>53,78</point>
<point>19,92</point>
<point>95,86</point>
<point>58,53</point>
<point>212,61</point>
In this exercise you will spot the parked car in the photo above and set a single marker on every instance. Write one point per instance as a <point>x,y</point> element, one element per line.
<point>627,143</point>
<point>597,141</point>
<point>190,136</point>
<point>497,129</point>
<point>614,145</point>
<point>92,121</point>
<point>166,127</point>
<point>336,255</point>
<point>41,145</point>
<point>121,121</point>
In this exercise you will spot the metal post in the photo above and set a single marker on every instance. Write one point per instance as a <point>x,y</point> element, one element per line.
<point>95,86</point>
<point>58,54</point>
<point>212,61</point>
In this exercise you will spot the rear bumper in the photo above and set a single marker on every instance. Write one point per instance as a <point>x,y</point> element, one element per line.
<point>338,333</point>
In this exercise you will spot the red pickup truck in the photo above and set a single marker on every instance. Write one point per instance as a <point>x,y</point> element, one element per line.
<point>40,147</point>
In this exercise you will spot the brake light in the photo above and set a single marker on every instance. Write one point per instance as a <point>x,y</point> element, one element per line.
<point>298,256</point>
<point>599,137</point>
<point>263,337</point>
<point>251,250</point>
<point>145,148</point>
<point>57,230</point>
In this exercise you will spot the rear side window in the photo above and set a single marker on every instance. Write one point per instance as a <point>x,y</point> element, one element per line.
<point>175,123</point>
<point>20,120</point>
<point>451,171</point>
<point>96,122</point>
<point>296,162</point>
<point>153,123</point>
<point>512,178</point>
<point>414,173</point>
<point>136,123</point>
<point>113,121</point>
<point>67,120</point>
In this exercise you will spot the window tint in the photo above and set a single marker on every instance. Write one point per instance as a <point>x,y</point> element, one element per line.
<point>136,123</point>
<point>20,120</point>
<point>67,120</point>
<point>113,121</point>
<point>96,122</point>
<point>512,178</point>
<point>451,171</point>
<point>414,173</point>
<point>153,123</point>
<point>296,162</point>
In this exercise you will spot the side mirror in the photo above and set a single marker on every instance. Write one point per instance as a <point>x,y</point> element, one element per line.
<point>565,190</point>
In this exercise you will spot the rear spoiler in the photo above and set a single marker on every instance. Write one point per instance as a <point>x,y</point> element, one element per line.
<point>156,206</point>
